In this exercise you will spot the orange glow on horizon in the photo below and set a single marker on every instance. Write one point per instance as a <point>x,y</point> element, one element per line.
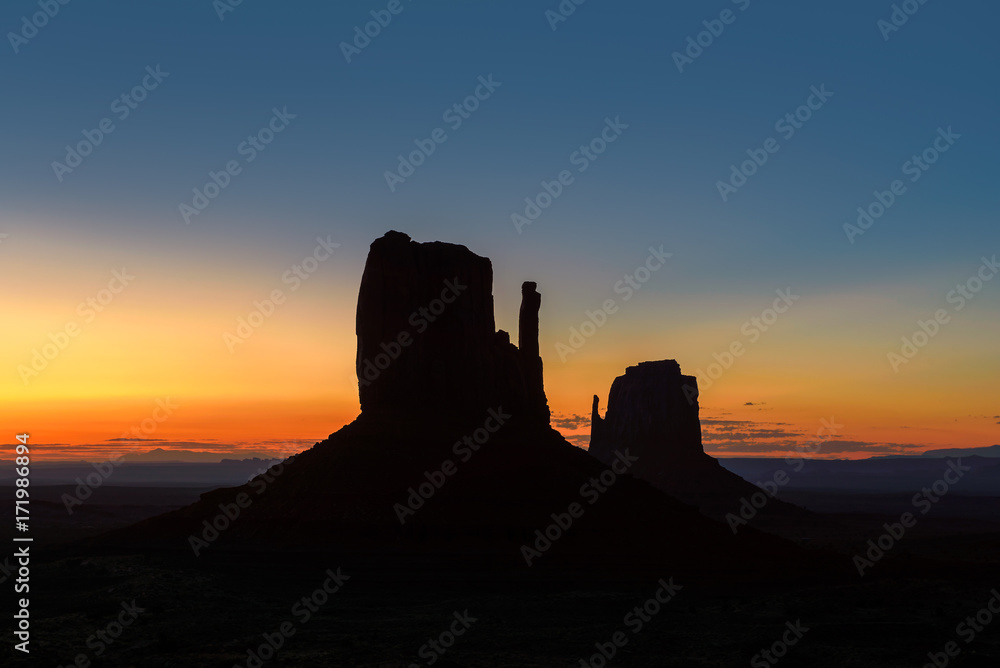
<point>162,338</point>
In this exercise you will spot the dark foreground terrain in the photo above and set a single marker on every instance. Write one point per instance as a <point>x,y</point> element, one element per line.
<point>213,612</point>
<point>215,609</point>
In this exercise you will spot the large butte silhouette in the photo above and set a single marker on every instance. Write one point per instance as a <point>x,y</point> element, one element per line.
<point>436,380</point>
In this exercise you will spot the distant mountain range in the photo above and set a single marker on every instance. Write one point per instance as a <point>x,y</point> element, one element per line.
<point>989,451</point>
<point>875,475</point>
<point>175,456</point>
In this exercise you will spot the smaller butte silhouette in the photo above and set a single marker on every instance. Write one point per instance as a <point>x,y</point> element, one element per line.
<point>653,410</point>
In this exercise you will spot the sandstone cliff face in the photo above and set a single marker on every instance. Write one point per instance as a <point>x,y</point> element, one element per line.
<point>427,341</point>
<point>652,409</point>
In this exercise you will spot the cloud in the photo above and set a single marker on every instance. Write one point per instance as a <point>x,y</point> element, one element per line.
<point>742,431</point>
<point>747,435</point>
<point>571,421</point>
<point>826,448</point>
<point>47,445</point>
<point>751,448</point>
<point>764,438</point>
<point>873,448</point>
<point>757,403</point>
<point>128,447</point>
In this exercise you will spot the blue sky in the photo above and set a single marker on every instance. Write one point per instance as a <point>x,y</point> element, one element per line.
<point>656,184</point>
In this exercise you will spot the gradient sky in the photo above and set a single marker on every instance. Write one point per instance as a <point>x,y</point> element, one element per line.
<point>323,176</point>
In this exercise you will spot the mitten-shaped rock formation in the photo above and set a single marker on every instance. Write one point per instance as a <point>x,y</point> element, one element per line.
<point>427,342</point>
<point>653,412</point>
<point>652,409</point>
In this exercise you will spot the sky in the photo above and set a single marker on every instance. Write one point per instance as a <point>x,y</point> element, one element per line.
<point>167,167</point>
